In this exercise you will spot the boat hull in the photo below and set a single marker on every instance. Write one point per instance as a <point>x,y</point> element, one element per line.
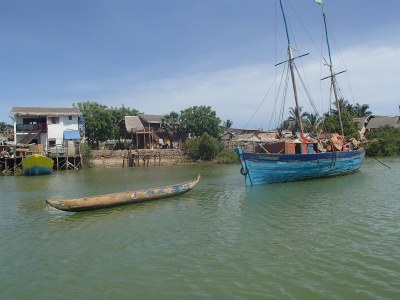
<point>110,200</point>
<point>37,164</point>
<point>263,168</point>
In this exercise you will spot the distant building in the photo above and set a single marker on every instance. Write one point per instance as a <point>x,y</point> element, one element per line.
<point>151,122</point>
<point>46,126</point>
<point>143,131</point>
<point>378,122</point>
<point>373,122</point>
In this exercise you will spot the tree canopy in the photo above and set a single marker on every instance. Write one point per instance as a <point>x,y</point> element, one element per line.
<point>330,122</point>
<point>101,122</point>
<point>170,126</point>
<point>197,120</point>
<point>384,141</point>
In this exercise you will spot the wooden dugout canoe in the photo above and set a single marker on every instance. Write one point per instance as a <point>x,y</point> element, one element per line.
<point>109,200</point>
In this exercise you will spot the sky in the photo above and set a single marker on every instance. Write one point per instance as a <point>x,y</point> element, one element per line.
<point>159,56</point>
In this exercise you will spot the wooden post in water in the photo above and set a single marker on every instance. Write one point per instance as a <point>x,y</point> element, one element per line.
<point>15,157</point>
<point>66,160</point>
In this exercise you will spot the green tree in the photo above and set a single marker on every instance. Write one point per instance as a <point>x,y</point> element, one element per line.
<point>205,147</point>
<point>99,122</point>
<point>8,130</point>
<point>292,122</point>
<point>118,114</point>
<point>170,126</point>
<point>361,110</point>
<point>192,148</point>
<point>228,124</point>
<point>332,123</point>
<point>313,122</point>
<point>384,141</point>
<point>200,119</point>
<point>3,126</point>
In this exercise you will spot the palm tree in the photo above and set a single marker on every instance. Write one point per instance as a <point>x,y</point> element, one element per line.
<point>292,122</point>
<point>3,126</point>
<point>228,124</point>
<point>343,105</point>
<point>313,122</point>
<point>361,110</point>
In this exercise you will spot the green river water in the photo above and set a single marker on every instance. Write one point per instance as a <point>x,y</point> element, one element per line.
<point>336,238</point>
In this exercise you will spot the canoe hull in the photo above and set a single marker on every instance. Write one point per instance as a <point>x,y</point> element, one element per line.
<point>262,168</point>
<point>110,200</point>
<point>37,164</point>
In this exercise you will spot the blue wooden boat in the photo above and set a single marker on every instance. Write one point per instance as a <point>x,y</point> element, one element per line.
<point>37,164</point>
<point>263,168</point>
<point>298,157</point>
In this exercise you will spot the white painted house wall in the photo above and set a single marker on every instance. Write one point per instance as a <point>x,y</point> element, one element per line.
<point>56,131</point>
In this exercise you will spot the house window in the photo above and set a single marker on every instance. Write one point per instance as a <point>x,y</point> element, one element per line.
<point>54,120</point>
<point>70,118</point>
<point>52,143</point>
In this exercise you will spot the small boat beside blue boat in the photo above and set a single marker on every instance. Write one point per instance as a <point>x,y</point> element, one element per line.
<point>37,164</point>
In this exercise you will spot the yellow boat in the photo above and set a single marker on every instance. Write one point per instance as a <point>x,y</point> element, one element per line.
<point>37,164</point>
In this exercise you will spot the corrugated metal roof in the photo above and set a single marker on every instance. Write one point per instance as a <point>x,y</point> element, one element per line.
<point>45,111</point>
<point>133,123</point>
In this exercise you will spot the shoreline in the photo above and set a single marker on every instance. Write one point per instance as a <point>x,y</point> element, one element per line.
<point>138,158</point>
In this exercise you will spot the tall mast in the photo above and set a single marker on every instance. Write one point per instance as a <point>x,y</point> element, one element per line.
<point>291,66</point>
<point>333,75</point>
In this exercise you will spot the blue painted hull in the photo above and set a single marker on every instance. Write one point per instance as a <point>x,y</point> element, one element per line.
<point>37,170</point>
<point>37,164</point>
<point>262,168</point>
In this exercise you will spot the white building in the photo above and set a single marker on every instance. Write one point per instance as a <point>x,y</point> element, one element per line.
<point>49,127</point>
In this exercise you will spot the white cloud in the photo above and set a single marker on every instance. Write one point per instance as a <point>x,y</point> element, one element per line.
<point>236,93</point>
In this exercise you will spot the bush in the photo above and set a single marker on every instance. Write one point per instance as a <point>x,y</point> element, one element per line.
<point>383,142</point>
<point>227,156</point>
<point>87,157</point>
<point>192,148</point>
<point>205,147</point>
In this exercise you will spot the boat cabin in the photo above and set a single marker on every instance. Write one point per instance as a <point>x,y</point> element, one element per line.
<point>288,147</point>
